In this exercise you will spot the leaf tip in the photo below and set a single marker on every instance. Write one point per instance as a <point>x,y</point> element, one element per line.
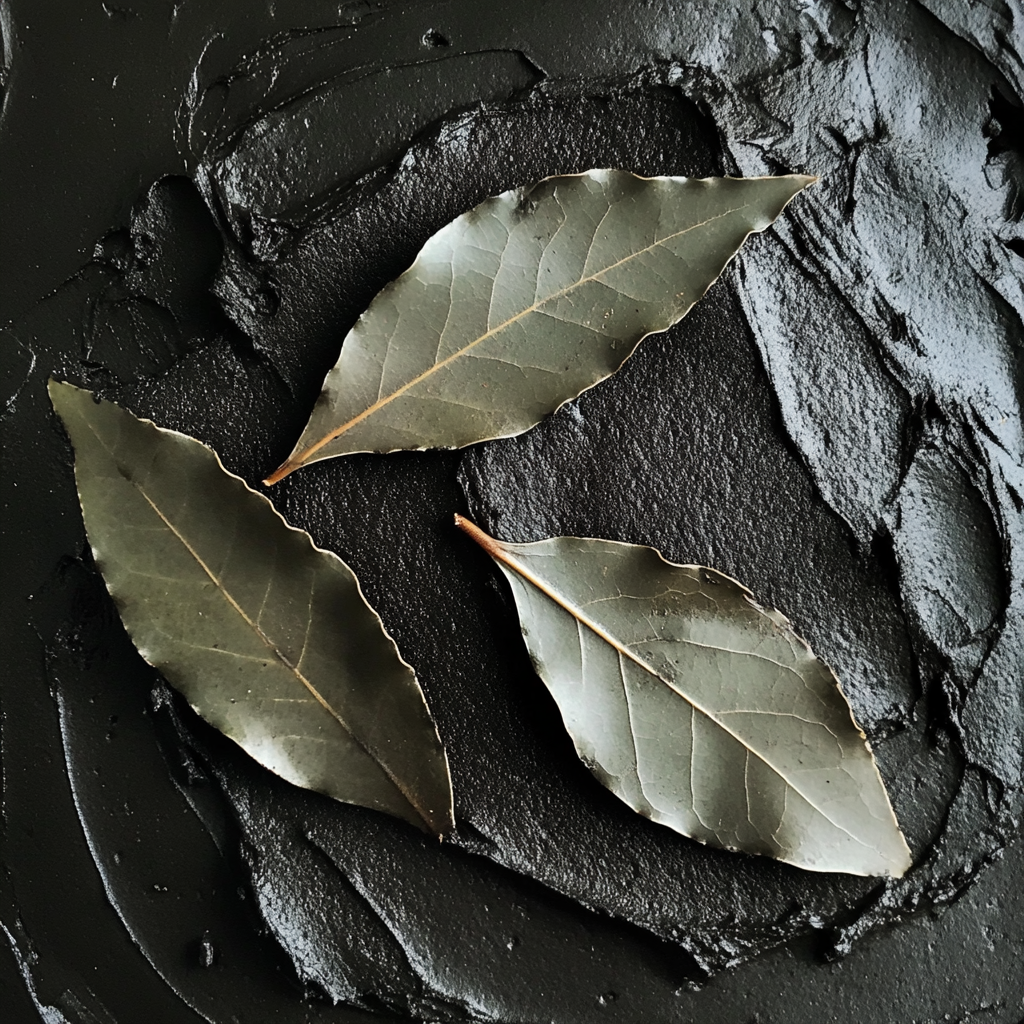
<point>902,863</point>
<point>438,825</point>
<point>55,388</point>
<point>63,396</point>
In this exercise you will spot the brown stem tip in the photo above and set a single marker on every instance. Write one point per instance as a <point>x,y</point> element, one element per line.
<point>489,544</point>
<point>281,472</point>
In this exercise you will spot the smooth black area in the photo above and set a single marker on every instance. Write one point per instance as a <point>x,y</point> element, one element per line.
<point>196,204</point>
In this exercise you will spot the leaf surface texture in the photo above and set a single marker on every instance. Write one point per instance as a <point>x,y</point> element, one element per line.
<point>524,302</point>
<point>698,707</point>
<point>267,636</point>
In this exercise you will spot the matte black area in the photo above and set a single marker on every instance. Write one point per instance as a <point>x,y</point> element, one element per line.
<point>216,197</point>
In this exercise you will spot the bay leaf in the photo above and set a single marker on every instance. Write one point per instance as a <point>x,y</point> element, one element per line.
<point>529,299</point>
<point>268,637</point>
<point>699,708</point>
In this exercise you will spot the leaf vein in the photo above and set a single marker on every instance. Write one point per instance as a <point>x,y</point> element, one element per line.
<point>381,402</point>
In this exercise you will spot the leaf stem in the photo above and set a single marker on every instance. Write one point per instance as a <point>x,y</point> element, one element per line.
<point>282,471</point>
<point>488,543</point>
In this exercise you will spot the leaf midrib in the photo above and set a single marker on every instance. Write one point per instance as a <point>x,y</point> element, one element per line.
<point>599,631</point>
<point>302,457</point>
<point>254,626</point>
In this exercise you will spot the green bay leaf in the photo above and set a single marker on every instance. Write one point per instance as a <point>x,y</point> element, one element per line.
<point>529,299</point>
<point>267,636</point>
<point>699,708</point>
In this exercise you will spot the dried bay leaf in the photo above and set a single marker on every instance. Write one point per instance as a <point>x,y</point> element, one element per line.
<point>529,299</point>
<point>699,708</point>
<point>267,636</point>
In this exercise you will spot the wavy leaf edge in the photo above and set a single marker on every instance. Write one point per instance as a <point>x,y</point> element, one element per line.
<point>899,864</point>
<point>307,455</point>
<point>434,824</point>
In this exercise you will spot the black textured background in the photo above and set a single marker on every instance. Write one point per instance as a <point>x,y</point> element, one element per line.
<point>197,202</point>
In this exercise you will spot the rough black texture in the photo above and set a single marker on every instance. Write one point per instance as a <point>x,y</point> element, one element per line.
<point>837,424</point>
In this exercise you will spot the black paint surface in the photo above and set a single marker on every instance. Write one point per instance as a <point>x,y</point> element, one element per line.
<point>217,196</point>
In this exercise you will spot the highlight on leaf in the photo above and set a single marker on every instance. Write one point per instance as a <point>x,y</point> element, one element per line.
<point>527,300</point>
<point>268,637</point>
<point>698,707</point>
